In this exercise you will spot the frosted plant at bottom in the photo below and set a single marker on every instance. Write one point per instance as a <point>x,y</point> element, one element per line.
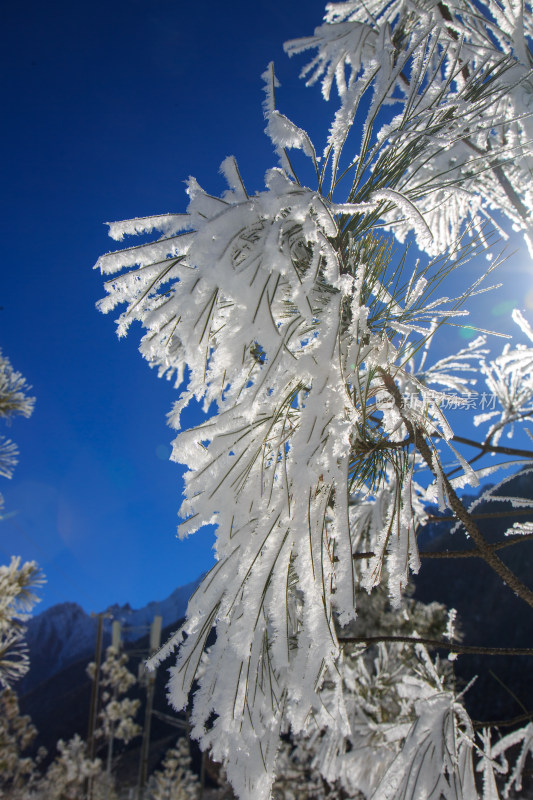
<point>18,770</point>
<point>379,716</point>
<point>175,780</point>
<point>68,774</point>
<point>289,312</point>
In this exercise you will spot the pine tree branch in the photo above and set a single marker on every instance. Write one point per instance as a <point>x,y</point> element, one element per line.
<point>446,15</point>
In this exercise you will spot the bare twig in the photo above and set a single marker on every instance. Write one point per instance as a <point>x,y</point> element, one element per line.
<point>503,723</point>
<point>486,447</point>
<point>439,644</point>
<point>513,512</point>
<point>473,553</point>
<point>486,552</point>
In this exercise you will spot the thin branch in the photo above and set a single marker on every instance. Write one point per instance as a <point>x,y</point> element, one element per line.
<point>439,644</point>
<point>503,723</point>
<point>487,447</point>
<point>486,552</point>
<point>513,512</point>
<point>473,553</point>
<point>509,691</point>
<point>484,447</point>
<point>490,448</point>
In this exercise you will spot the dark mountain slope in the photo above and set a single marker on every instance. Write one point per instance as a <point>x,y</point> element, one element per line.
<point>490,613</point>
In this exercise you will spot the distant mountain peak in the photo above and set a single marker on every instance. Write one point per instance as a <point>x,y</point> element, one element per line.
<point>65,633</point>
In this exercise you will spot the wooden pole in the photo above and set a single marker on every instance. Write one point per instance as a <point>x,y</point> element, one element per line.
<point>116,644</point>
<point>155,639</point>
<point>93,710</point>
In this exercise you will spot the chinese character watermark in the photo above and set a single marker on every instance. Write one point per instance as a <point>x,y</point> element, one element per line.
<point>448,401</point>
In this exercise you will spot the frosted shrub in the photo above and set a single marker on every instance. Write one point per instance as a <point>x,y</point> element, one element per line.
<point>18,771</point>
<point>117,715</point>
<point>175,780</point>
<point>68,774</point>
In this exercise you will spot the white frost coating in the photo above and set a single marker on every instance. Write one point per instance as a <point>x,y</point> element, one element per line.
<point>230,170</point>
<point>432,764</point>
<point>522,323</point>
<point>271,84</point>
<point>144,254</point>
<point>469,472</point>
<point>509,380</point>
<point>524,737</point>
<point>447,187</point>
<point>168,224</point>
<point>410,210</point>
<point>351,208</point>
<point>488,765</point>
<point>285,133</point>
<point>341,46</point>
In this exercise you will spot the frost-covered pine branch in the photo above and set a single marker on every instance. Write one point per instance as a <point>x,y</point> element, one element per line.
<point>509,378</point>
<point>17,598</point>
<point>13,400</point>
<point>291,313</point>
<point>382,685</point>
<point>17,583</point>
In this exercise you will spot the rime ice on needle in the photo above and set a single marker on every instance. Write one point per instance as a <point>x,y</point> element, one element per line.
<point>293,315</point>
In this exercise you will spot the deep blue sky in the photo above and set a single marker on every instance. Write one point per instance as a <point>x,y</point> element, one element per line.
<point>108,107</point>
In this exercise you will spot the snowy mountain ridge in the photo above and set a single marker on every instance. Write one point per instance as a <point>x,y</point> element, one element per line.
<point>65,633</point>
